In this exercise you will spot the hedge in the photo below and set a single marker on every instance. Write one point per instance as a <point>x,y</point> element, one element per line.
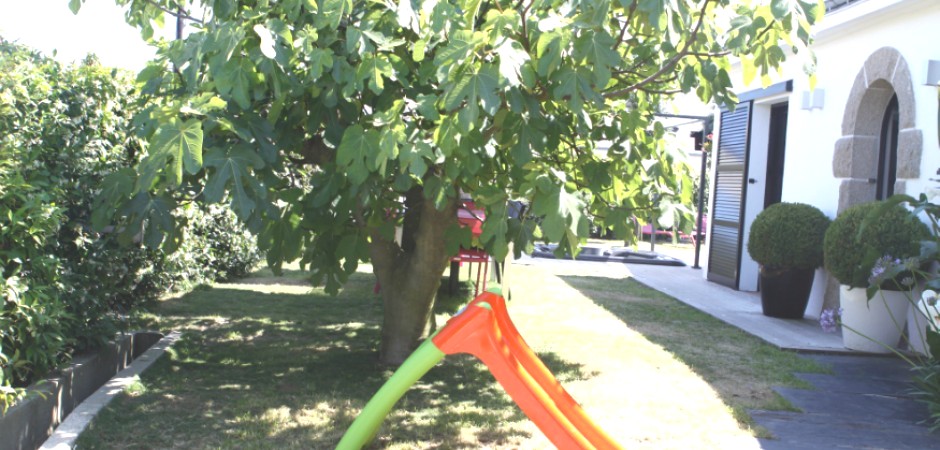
<point>65,288</point>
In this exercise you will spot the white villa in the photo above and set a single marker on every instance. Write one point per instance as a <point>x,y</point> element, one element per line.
<point>867,131</point>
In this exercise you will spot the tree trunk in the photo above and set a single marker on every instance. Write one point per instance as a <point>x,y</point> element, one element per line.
<point>410,274</point>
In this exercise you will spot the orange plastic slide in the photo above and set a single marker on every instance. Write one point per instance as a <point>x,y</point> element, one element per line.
<point>485,330</point>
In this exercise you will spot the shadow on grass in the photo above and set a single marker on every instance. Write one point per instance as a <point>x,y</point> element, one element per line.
<point>278,370</point>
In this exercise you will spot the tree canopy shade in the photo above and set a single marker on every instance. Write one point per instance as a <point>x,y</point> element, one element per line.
<point>329,123</point>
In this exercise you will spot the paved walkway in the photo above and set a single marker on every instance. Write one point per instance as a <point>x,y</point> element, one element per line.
<point>741,309</point>
<point>864,403</point>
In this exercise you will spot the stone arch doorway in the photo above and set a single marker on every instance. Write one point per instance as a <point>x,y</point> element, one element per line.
<point>883,86</point>
<point>883,83</point>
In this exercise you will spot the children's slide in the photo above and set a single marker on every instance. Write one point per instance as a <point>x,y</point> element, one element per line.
<point>484,329</point>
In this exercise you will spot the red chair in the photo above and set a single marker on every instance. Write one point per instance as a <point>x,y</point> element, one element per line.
<point>468,215</point>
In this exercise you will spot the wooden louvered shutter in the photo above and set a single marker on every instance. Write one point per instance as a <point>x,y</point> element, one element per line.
<point>731,156</point>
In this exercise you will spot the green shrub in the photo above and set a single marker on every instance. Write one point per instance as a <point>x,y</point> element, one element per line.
<point>788,236</point>
<point>215,246</point>
<point>850,250</point>
<point>63,129</point>
<point>72,125</point>
<point>32,320</point>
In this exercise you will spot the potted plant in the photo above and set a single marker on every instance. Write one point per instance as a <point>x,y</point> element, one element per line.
<point>872,320</point>
<point>786,240</point>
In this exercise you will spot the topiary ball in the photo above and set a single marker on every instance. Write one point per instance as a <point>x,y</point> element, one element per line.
<point>850,249</point>
<point>788,236</point>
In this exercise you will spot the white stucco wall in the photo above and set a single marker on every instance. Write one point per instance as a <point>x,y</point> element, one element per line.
<point>911,27</point>
<point>844,41</point>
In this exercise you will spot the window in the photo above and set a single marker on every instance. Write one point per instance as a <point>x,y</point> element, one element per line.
<point>888,152</point>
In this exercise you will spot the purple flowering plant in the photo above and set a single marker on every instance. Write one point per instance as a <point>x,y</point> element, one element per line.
<point>830,319</point>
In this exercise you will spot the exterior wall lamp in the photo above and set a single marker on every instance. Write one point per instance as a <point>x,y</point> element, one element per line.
<point>813,99</point>
<point>933,73</point>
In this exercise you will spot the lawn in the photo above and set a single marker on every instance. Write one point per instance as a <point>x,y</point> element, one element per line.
<point>271,363</point>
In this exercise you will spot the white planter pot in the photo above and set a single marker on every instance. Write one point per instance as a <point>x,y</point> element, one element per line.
<point>918,319</point>
<point>873,326</point>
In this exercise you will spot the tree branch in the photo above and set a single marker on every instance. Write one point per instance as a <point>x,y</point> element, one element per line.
<point>179,14</point>
<point>525,33</point>
<point>660,92</point>
<point>671,63</point>
<point>626,24</point>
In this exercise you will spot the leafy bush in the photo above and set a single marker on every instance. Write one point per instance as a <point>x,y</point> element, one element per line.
<point>32,320</point>
<point>788,236</point>
<point>850,250</point>
<point>214,246</point>
<point>73,126</point>
<point>64,129</point>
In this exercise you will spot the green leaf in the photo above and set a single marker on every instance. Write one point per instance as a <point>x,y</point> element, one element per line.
<point>223,8</point>
<point>233,171</point>
<point>500,24</point>
<point>511,59</point>
<point>471,8</point>
<point>233,82</point>
<point>412,157</point>
<point>748,70</point>
<point>175,146</point>
<point>115,188</point>
<point>456,236</point>
<point>561,212</point>
<point>318,60</point>
<point>333,11</point>
<point>573,87</point>
<point>357,145</point>
<point>437,190</point>
<point>496,228</point>
<point>656,9</point>
<point>474,87</point>
<point>780,8</point>
<point>419,51</point>
<point>281,238</point>
<point>75,6</point>
<point>152,215</point>
<point>549,52</point>
<point>458,48</point>
<point>375,68</point>
<point>597,49</point>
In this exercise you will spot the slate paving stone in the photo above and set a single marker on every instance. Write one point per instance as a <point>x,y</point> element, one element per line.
<point>829,383</point>
<point>863,404</point>
<point>807,431</point>
<point>855,405</point>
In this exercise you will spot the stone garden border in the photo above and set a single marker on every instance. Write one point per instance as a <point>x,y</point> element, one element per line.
<point>27,424</point>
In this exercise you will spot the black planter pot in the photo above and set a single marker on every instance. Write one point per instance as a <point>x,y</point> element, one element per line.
<point>785,293</point>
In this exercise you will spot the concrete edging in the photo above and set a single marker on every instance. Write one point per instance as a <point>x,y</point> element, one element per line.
<point>30,422</point>
<point>68,431</point>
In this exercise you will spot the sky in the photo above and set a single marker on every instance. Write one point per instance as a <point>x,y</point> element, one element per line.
<point>99,28</point>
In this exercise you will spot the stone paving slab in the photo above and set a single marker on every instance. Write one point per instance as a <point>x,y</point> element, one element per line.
<point>829,383</point>
<point>807,431</point>
<point>863,404</point>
